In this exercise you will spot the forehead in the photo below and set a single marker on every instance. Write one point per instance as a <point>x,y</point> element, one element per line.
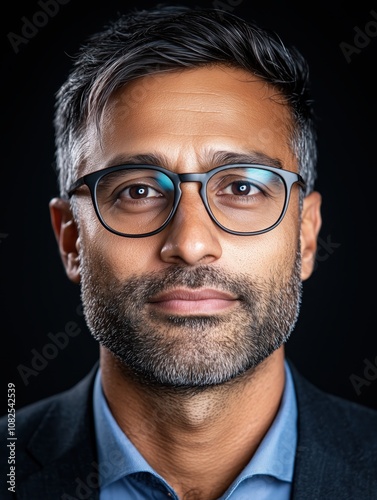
<point>187,117</point>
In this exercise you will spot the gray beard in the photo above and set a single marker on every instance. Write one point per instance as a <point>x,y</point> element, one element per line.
<point>189,352</point>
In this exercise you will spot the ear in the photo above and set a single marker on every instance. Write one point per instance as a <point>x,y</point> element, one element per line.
<point>310,226</point>
<point>66,234</point>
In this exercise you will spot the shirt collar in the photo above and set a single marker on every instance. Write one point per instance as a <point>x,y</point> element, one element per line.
<point>274,457</point>
<point>117,455</point>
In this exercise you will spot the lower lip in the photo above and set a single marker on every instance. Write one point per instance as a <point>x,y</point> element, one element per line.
<point>193,307</point>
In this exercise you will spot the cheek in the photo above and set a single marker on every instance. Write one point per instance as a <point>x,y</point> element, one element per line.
<point>125,256</point>
<point>262,256</point>
<point>131,256</point>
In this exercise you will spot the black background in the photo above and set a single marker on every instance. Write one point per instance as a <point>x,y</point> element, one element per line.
<point>336,330</point>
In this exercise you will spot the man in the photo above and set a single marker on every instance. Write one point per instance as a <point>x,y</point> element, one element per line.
<point>188,215</point>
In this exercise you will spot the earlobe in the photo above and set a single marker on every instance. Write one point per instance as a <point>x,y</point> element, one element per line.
<point>66,234</point>
<point>310,227</point>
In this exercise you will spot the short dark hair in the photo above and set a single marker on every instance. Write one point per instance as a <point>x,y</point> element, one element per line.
<point>168,38</point>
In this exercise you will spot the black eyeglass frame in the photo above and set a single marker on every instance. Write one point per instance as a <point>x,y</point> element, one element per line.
<point>91,181</point>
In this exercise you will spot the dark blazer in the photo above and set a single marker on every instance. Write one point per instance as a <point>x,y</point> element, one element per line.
<point>56,453</point>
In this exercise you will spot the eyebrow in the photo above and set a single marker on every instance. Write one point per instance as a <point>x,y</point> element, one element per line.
<point>208,160</point>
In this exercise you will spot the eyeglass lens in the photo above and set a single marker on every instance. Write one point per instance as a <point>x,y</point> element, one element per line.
<point>242,199</point>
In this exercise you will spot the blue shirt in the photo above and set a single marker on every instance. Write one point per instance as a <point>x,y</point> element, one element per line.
<point>124,473</point>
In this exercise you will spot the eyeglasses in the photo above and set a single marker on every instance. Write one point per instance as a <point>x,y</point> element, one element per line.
<point>140,200</point>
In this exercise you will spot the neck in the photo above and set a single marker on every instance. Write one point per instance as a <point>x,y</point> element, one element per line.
<point>198,441</point>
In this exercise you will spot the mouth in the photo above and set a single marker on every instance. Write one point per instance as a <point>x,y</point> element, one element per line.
<point>184,301</point>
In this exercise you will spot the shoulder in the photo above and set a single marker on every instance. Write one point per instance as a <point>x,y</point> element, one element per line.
<point>337,445</point>
<point>63,404</point>
<point>343,417</point>
<point>50,424</point>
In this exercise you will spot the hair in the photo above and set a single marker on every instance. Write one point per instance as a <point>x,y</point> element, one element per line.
<point>171,38</point>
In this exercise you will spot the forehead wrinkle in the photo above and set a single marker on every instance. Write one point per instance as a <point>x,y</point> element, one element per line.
<point>192,110</point>
<point>190,92</point>
<point>191,97</point>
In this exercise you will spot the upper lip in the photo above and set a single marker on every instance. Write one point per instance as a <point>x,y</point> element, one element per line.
<point>192,295</point>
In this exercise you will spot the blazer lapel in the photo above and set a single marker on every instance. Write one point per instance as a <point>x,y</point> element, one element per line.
<point>64,448</point>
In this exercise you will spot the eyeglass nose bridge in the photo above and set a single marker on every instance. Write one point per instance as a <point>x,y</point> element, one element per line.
<point>200,178</point>
<point>192,177</point>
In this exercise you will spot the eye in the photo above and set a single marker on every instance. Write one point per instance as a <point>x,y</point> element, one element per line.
<point>241,188</point>
<point>139,191</point>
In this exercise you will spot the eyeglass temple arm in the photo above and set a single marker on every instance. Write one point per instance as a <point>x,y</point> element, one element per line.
<point>75,186</point>
<point>301,182</point>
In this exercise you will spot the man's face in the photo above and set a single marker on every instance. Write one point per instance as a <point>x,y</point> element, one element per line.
<point>192,305</point>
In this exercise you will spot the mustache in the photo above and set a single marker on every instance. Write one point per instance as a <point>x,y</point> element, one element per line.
<point>146,287</point>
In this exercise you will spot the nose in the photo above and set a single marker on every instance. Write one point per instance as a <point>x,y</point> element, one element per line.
<point>192,237</point>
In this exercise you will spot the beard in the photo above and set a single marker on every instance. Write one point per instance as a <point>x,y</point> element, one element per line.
<point>189,352</point>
